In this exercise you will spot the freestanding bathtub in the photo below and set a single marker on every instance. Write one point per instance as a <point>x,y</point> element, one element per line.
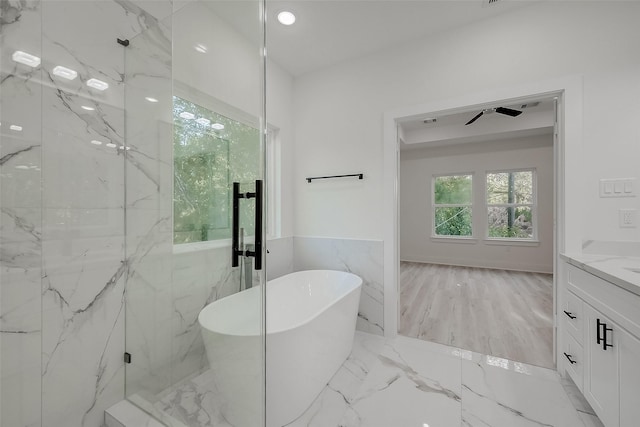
<point>310,323</point>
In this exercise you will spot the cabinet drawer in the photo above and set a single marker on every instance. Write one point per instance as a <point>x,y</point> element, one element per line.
<point>572,313</point>
<point>573,355</point>
<point>617,303</point>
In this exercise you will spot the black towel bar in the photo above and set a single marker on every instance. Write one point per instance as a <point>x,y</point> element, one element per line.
<point>359,175</point>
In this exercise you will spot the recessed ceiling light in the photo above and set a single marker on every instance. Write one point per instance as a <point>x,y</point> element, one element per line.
<point>22,167</point>
<point>97,84</point>
<point>187,115</point>
<point>16,128</point>
<point>286,18</point>
<point>86,107</point>
<point>25,58</point>
<point>110,145</point>
<point>65,73</point>
<point>96,142</point>
<point>201,48</point>
<point>217,126</point>
<point>150,99</point>
<point>202,121</point>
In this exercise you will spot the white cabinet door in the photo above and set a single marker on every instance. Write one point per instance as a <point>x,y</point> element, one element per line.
<point>629,379</point>
<point>601,377</point>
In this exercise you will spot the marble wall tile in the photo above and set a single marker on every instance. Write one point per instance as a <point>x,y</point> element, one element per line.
<point>280,257</point>
<point>20,217</point>
<point>361,257</point>
<point>149,222</point>
<point>84,266</point>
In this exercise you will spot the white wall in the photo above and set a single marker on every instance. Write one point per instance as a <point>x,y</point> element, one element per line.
<point>339,110</point>
<point>236,82</point>
<point>416,217</point>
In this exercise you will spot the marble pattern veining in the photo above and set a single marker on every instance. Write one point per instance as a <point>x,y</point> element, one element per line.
<point>408,382</point>
<point>361,257</point>
<point>63,264</point>
<point>20,218</point>
<point>621,270</point>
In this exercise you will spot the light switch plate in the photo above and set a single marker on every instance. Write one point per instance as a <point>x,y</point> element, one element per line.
<point>620,187</point>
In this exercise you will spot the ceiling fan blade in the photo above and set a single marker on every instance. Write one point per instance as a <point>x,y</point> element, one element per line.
<point>508,111</point>
<point>475,118</point>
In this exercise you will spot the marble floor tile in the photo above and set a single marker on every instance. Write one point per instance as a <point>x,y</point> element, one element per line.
<point>495,395</point>
<point>412,383</point>
<point>406,382</point>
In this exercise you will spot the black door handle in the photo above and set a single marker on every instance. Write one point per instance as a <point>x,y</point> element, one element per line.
<point>257,254</point>
<point>568,356</point>
<point>602,338</point>
<point>571,316</point>
<point>236,252</point>
<point>235,219</point>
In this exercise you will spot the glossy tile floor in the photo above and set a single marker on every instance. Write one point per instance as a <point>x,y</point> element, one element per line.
<point>498,312</point>
<point>405,382</point>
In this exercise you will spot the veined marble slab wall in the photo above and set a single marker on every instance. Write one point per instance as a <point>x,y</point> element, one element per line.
<point>21,218</point>
<point>149,209</point>
<point>361,257</point>
<point>201,274</point>
<point>62,230</point>
<point>280,257</point>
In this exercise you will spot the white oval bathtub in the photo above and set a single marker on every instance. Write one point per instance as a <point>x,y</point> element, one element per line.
<point>311,318</point>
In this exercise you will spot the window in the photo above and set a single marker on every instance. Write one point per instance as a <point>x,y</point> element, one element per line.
<point>511,204</point>
<point>210,152</point>
<point>452,200</point>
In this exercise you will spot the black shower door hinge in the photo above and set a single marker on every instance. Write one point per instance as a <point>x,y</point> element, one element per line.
<point>127,357</point>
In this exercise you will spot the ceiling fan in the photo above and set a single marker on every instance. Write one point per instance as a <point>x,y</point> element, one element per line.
<point>499,110</point>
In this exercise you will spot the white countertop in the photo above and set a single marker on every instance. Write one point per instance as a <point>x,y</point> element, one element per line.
<point>623,271</point>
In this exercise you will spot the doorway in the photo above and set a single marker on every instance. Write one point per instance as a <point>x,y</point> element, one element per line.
<point>566,147</point>
<point>476,230</point>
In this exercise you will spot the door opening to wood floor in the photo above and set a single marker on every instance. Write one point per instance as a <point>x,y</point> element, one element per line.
<point>476,229</point>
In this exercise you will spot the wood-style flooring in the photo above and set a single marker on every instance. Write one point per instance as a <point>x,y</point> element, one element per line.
<point>501,313</point>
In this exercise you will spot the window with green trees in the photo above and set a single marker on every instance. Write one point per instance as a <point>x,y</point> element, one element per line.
<point>210,152</point>
<point>511,204</point>
<point>452,211</point>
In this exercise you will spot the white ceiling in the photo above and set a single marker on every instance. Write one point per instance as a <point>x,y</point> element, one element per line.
<point>327,32</point>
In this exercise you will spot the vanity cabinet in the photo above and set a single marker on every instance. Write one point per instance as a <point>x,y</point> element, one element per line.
<point>601,346</point>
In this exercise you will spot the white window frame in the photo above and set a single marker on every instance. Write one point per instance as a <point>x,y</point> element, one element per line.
<point>534,209</point>
<point>435,236</point>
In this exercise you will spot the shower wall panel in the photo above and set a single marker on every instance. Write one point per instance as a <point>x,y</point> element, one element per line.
<point>21,218</point>
<point>63,224</point>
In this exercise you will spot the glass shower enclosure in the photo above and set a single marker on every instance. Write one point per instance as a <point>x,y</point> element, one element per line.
<point>124,125</point>
<point>194,109</point>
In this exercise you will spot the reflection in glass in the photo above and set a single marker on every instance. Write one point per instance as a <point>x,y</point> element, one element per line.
<point>206,162</point>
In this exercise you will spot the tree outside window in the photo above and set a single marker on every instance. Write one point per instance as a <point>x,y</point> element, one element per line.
<point>452,212</point>
<point>510,204</point>
<point>210,152</point>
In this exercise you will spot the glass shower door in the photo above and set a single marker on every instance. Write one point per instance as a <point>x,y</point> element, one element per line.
<point>194,110</point>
